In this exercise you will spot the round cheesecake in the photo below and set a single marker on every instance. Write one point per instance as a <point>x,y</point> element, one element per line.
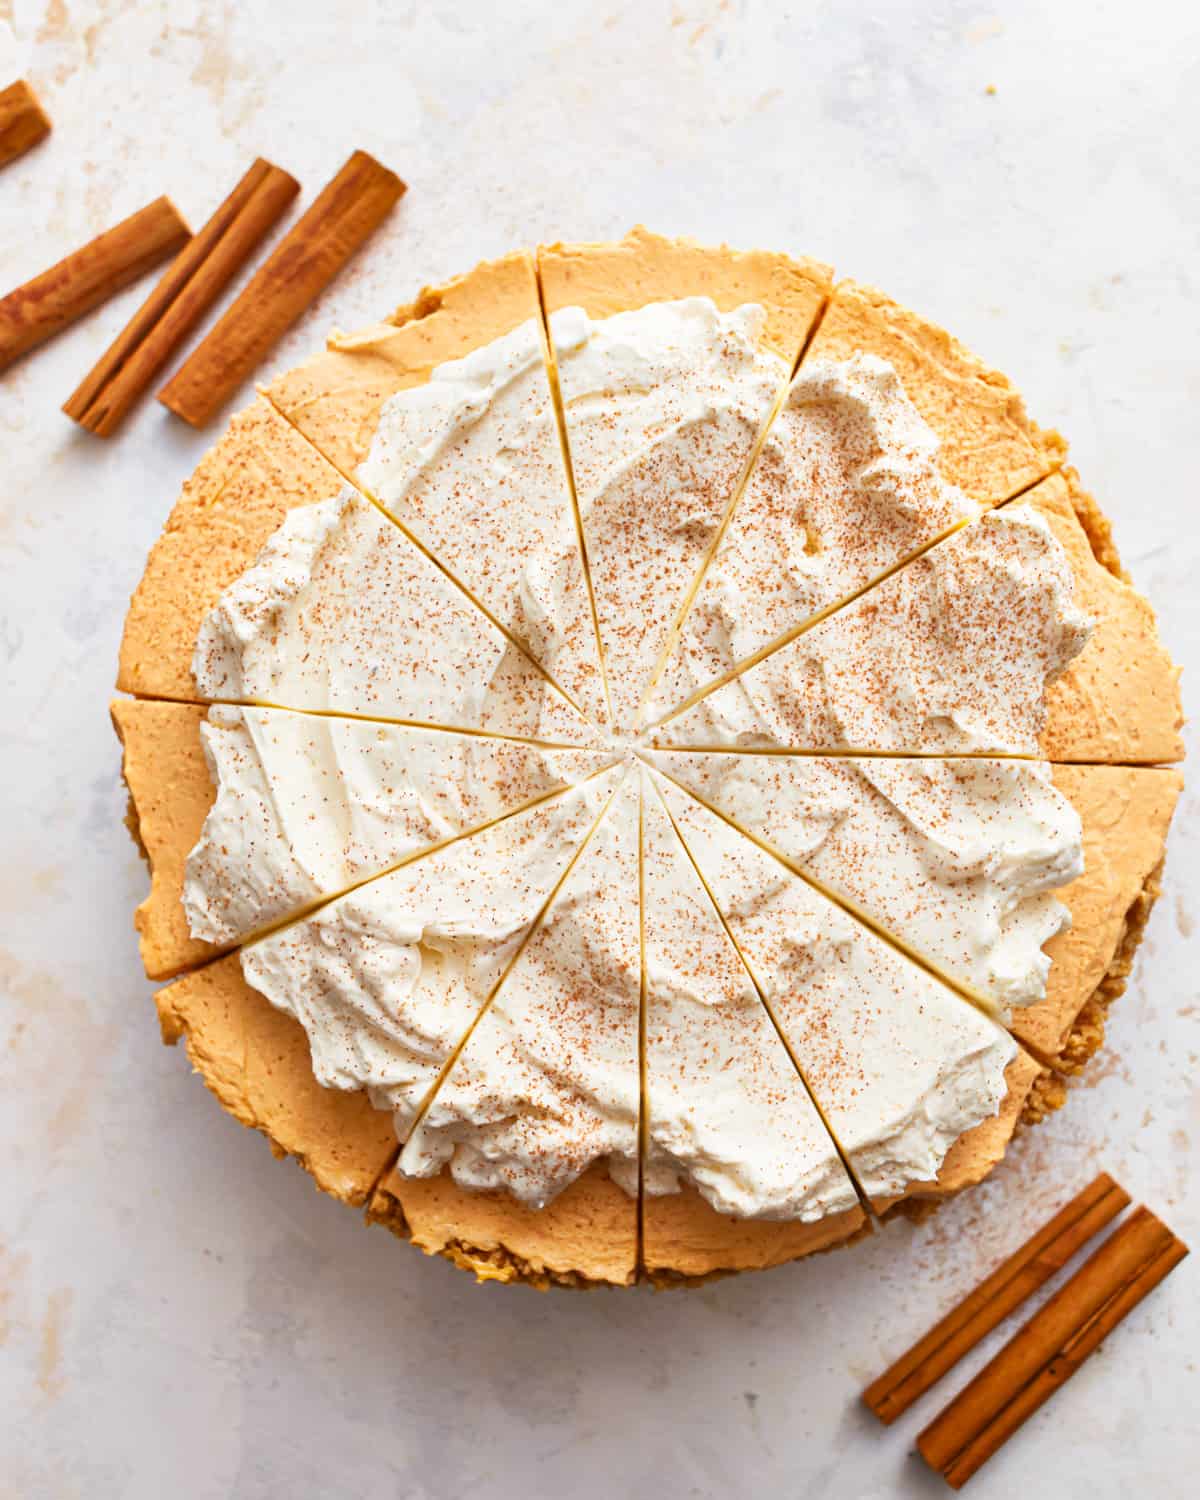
<point>649,765</point>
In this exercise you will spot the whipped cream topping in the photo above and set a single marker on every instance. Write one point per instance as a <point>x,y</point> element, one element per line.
<point>547,1081</point>
<point>952,654</point>
<point>663,406</point>
<point>846,485</point>
<point>341,612</point>
<point>387,979</point>
<point>520,903</point>
<point>726,1109</point>
<point>899,1065</point>
<point>308,805</point>
<point>471,463</point>
<point>955,859</point>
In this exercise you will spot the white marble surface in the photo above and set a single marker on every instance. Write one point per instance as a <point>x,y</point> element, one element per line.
<point>181,1315</point>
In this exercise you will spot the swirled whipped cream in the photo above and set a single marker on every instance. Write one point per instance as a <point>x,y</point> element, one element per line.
<point>484,916</point>
<point>387,980</point>
<point>663,407</point>
<point>547,1081</point>
<point>846,485</point>
<point>952,654</point>
<point>471,463</point>
<point>899,1065</point>
<point>342,613</point>
<point>308,805</point>
<point>726,1109</point>
<point>957,860</point>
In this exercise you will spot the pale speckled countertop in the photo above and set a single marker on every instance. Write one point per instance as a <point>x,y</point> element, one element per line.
<point>181,1315</point>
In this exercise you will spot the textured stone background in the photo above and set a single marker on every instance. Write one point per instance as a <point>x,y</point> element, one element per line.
<point>179,1314</point>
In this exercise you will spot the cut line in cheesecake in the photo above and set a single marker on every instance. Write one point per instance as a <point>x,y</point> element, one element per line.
<point>676,626</point>
<point>560,422</point>
<point>363,718</point>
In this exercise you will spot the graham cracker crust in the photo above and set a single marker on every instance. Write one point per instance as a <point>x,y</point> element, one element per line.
<point>498,1264</point>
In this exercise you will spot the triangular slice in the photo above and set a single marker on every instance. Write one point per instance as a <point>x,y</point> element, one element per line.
<point>388,979</point>
<point>950,655</point>
<point>307,805</point>
<point>956,860</point>
<point>670,359</point>
<point>444,414</point>
<point>899,1065</point>
<point>342,613</point>
<point>989,447</point>
<point>845,487</point>
<point>547,1083</point>
<point>731,1134</point>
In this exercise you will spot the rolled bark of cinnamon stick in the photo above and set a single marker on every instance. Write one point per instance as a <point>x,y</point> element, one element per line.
<point>1005,1289</point>
<point>190,286</point>
<point>305,261</point>
<point>1050,1347</point>
<point>23,121</point>
<point>50,302</point>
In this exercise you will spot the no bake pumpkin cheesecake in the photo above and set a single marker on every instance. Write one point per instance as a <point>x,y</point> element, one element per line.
<point>649,764</point>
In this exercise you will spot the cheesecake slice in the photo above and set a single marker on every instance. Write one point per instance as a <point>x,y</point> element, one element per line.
<point>738,1169</point>
<point>270,811</point>
<point>388,979</point>
<point>341,613</point>
<point>670,359</point>
<point>989,447</point>
<point>546,1083</point>
<point>959,862</point>
<point>899,1065</point>
<point>308,805</point>
<point>444,415</point>
<point>949,655</point>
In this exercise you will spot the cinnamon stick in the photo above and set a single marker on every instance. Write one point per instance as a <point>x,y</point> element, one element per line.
<point>1050,1347</point>
<point>45,306</point>
<point>305,261</point>
<point>23,121</point>
<point>190,286</point>
<point>1005,1289</point>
